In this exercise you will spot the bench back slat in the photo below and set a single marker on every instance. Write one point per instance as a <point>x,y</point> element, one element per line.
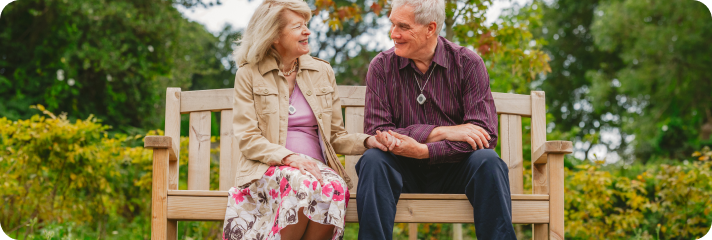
<point>199,104</point>
<point>226,163</point>
<point>199,151</point>
<point>354,124</point>
<point>510,136</point>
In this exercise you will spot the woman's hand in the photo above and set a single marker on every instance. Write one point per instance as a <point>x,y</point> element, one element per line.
<point>387,140</point>
<point>372,142</point>
<point>304,165</point>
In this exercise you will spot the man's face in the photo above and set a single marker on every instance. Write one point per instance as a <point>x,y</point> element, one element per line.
<point>408,36</point>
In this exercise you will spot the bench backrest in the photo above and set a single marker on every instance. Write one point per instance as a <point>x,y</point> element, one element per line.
<point>199,104</point>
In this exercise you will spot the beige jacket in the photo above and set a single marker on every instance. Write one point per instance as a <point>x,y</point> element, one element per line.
<point>260,116</point>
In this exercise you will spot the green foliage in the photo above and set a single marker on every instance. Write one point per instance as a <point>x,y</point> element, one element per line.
<point>57,171</point>
<point>112,59</point>
<point>665,81</point>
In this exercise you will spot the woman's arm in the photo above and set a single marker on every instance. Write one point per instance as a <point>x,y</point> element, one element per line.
<point>249,137</point>
<point>342,141</point>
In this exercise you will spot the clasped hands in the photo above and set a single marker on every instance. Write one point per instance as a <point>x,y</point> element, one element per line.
<point>406,146</point>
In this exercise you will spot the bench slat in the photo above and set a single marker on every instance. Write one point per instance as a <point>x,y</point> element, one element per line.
<point>199,151</point>
<point>351,96</point>
<point>226,163</point>
<point>404,196</point>
<point>186,208</point>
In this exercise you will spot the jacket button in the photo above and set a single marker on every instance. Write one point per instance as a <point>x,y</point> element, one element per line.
<point>308,92</point>
<point>319,116</point>
<point>265,91</point>
<point>323,90</point>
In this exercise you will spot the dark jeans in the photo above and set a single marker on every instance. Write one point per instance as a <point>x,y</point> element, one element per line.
<point>483,177</point>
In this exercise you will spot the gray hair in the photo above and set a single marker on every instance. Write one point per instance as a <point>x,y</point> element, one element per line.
<point>426,11</point>
<point>264,28</point>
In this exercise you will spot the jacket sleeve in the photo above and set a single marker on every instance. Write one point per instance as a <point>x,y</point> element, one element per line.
<point>342,141</point>
<point>252,143</point>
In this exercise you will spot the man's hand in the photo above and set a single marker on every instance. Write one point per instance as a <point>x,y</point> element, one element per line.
<point>387,140</point>
<point>476,136</point>
<point>408,147</point>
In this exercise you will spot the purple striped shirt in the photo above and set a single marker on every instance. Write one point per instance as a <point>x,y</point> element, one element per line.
<point>458,92</point>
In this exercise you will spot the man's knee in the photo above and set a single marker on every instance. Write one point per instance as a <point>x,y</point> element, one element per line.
<point>373,159</point>
<point>487,161</point>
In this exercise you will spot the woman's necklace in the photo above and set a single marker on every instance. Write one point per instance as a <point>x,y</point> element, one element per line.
<point>294,68</point>
<point>421,98</point>
<point>292,109</point>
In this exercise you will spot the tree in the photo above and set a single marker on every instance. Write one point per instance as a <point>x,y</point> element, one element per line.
<point>665,84</point>
<point>112,59</point>
<point>575,60</point>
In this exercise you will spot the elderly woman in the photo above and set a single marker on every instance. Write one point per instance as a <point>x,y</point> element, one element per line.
<point>287,122</point>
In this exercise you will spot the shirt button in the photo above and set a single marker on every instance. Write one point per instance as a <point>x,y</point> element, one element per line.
<point>308,92</point>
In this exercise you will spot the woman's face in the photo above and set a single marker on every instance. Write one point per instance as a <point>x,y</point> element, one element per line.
<point>294,37</point>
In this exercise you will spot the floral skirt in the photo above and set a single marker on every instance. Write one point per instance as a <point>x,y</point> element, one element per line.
<point>269,204</point>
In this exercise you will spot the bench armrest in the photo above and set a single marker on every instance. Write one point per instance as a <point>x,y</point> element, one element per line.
<point>540,155</point>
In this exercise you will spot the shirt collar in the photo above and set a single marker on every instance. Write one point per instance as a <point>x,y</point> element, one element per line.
<point>439,57</point>
<point>269,63</point>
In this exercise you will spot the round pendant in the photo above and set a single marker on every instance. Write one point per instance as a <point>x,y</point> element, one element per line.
<point>292,110</point>
<point>421,99</point>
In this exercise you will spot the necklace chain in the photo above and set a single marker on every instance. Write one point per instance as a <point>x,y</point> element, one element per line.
<point>294,68</point>
<point>426,81</point>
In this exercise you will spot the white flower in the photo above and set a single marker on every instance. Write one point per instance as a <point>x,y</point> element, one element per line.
<point>70,82</point>
<point>60,75</point>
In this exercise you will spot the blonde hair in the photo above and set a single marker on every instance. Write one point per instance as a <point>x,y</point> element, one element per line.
<point>264,28</point>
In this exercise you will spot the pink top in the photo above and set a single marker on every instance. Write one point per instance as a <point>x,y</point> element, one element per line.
<point>302,128</point>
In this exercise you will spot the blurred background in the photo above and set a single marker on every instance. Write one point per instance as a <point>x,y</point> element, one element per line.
<point>82,81</point>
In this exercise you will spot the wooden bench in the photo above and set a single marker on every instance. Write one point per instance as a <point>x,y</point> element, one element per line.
<point>544,208</point>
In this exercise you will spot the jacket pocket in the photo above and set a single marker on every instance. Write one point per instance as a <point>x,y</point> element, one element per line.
<point>325,95</point>
<point>266,100</point>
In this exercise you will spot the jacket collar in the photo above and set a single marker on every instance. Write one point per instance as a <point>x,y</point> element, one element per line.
<point>269,64</point>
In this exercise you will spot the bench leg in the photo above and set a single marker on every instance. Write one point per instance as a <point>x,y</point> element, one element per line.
<point>412,231</point>
<point>172,230</point>
<point>159,195</point>
<point>540,231</point>
<point>556,196</point>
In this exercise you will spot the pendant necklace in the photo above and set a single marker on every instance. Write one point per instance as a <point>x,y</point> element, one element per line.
<point>421,98</point>
<point>292,109</point>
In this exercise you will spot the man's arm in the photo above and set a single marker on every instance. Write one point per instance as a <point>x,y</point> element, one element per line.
<point>479,111</point>
<point>378,112</point>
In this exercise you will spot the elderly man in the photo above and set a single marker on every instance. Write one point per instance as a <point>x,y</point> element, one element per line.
<point>429,102</point>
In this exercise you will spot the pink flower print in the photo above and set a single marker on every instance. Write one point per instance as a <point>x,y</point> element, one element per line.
<point>284,187</point>
<point>338,191</point>
<point>326,190</point>
<point>314,185</point>
<point>274,194</point>
<point>348,196</point>
<point>240,196</point>
<point>307,183</point>
<point>270,171</point>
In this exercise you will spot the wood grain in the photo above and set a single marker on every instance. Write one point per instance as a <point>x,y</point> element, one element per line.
<point>412,231</point>
<point>172,119</point>
<point>556,195</point>
<point>159,203</point>
<point>157,142</point>
<point>199,151</point>
<point>351,96</point>
<point>186,208</point>
<point>539,155</point>
<point>354,124</point>
<point>226,179</point>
